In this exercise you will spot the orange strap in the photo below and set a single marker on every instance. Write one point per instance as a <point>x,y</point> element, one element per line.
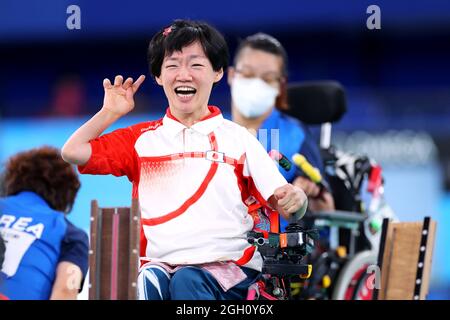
<point>274,219</point>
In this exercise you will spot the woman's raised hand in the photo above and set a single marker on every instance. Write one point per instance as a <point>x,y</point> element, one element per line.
<point>119,97</point>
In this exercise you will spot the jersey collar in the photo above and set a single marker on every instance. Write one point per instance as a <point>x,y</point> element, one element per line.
<point>205,126</point>
<point>29,197</point>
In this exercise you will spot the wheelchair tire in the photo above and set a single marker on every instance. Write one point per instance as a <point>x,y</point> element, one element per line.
<point>352,280</point>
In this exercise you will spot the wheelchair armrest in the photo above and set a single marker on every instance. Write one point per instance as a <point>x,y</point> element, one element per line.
<point>338,215</point>
<point>345,219</point>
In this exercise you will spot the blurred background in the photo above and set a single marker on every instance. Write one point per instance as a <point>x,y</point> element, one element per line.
<point>397,81</point>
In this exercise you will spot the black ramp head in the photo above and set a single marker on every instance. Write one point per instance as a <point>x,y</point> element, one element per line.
<point>317,102</point>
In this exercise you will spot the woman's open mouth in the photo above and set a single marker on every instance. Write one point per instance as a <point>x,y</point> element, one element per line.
<point>185,93</point>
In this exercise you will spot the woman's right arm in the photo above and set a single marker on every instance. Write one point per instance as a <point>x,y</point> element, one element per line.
<point>118,101</point>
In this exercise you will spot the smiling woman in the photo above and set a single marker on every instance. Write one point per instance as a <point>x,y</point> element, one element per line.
<point>195,173</point>
<point>187,60</point>
<point>187,77</point>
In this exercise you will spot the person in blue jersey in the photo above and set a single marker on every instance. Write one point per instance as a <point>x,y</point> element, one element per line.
<point>258,80</point>
<point>46,256</point>
<point>2,257</point>
<point>2,251</point>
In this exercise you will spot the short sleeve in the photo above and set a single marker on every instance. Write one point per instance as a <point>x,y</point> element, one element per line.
<point>75,248</point>
<point>261,167</point>
<point>113,153</point>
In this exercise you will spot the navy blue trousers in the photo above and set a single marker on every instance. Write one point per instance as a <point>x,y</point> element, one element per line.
<point>190,283</point>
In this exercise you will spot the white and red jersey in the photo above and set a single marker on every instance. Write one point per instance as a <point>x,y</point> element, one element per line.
<point>192,185</point>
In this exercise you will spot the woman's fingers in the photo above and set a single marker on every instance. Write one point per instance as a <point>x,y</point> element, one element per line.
<point>128,83</point>
<point>138,83</point>
<point>107,84</point>
<point>292,208</point>
<point>118,80</point>
<point>309,187</point>
<point>290,203</point>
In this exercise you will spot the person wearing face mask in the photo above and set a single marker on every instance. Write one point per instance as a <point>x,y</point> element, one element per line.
<point>259,93</point>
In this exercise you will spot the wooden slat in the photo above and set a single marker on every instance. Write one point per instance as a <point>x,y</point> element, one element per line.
<point>134,235</point>
<point>93,279</point>
<point>428,260</point>
<point>387,254</point>
<point>115,254</point>
<point>124,247</point>
<point>381,250</point>
<point>106,240</point>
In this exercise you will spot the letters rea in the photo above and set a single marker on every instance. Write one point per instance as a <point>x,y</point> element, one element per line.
<point>23,224</point>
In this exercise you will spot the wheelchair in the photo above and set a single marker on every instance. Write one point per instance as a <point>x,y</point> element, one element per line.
<point>337,247</point>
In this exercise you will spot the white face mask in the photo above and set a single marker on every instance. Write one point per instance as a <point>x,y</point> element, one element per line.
<point>252,96</point>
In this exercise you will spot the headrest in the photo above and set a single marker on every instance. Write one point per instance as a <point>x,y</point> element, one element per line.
<point>316,102</point>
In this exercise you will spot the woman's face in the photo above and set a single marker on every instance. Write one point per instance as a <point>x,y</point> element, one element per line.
<point>187,78</point>
<point>253,63</point>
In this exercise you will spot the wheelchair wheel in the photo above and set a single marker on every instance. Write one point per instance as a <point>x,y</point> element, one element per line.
<point>352,282</point>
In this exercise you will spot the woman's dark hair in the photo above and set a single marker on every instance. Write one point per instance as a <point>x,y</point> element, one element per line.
<point>43,171</point>
<point>267,43</point>
<point>182,33</point>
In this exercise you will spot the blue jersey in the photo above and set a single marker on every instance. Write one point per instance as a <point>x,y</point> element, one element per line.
<point>292,137</point>
<point>37,238</point>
